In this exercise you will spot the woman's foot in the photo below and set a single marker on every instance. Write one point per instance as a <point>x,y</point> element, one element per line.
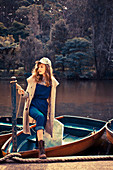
<point>42,154</point>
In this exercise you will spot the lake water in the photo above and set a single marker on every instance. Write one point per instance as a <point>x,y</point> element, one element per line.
<point>81,98</point>
<point>92,99</point>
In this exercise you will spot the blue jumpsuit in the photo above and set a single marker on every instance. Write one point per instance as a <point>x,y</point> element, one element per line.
<point>39,105</point>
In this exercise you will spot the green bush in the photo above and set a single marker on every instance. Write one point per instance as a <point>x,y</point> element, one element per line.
<point>78,57</point>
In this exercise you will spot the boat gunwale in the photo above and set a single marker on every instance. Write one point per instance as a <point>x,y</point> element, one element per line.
<point>107,128</point>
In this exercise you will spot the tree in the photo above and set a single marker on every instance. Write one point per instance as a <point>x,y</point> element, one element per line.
<point>3,29</point>
<point>18,29</point>
<point>74,13</point>
<point>22,14</point>
<point>31,48</point>
<point>8,52</point>
<point>8,8</point>
<point>58,35</point>
<point>17,10</point>
<point>77,59</point>
<point>101,13</point>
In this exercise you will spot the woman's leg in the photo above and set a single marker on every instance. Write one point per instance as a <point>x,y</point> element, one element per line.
<point>40,124</point>
<point>40,134</point>
<point>39,117</point>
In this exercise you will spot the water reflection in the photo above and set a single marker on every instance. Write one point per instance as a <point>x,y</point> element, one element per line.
<point>83,98</point>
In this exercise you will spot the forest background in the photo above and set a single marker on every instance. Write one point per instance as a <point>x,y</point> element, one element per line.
<point>77,35</point>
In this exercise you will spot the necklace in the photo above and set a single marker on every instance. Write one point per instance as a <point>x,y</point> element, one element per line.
<point>43,82</point>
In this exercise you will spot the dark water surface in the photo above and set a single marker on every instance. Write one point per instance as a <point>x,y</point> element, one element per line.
<point>86,98</point>
<point>92,99</point>
<point>81,98</point>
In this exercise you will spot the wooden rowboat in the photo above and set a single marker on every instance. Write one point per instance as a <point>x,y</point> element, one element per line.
<point>79,134</point>
<point>109,130</point>
<point>6,128</point>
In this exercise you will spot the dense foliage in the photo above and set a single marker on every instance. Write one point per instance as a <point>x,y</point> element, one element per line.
<point>78,32</point>
<point>77,59</point>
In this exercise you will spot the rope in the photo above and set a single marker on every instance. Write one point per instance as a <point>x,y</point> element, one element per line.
<point>62,159</point>
<point>16,157</point>
<point>9,156</point>
<point>18,109</point>
<point>18,106</point>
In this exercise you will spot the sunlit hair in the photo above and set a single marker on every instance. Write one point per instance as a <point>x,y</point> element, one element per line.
<point>48,74</point>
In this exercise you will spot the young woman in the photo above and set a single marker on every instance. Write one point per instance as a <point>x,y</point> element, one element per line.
<point>40,101</point>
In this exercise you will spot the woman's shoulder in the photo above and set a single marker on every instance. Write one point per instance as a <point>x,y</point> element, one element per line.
<point>54,81</point>
<point>30,79</point>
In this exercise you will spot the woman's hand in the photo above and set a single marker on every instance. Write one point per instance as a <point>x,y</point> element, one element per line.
<point>21,91</point>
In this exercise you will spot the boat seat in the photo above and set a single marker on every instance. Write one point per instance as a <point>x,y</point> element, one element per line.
<point>8,129</point>
<point>5,132</point>
<point>72,138</point>
<point>5,124</point>
<point>88,128</point>
<point>56,140</point>
<point>10,125</point>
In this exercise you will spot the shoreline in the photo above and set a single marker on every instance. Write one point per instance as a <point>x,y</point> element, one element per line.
<point>62,78</point>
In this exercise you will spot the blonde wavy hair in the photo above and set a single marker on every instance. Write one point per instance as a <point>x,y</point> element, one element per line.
<point>48,74</point>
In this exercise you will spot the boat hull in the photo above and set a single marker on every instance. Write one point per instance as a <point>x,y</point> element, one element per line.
<point>6,125</point>
<point>109,130</point>
<point>70,148</point>
<point>4,138</point>
<point>65,150</point>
